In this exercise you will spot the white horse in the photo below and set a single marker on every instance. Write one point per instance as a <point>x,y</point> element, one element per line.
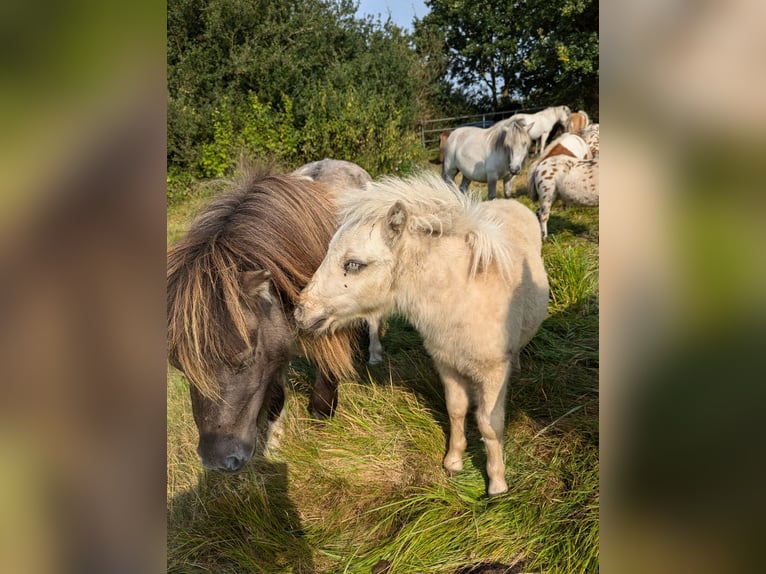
<point>574,180</point>
<point>541,123</point>
<point>486,154</point>
<point>339,174</point>
<point>566,144</point>
<point>405,240</point>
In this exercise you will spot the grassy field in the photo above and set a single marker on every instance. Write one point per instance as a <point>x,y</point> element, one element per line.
<point>341,495</point>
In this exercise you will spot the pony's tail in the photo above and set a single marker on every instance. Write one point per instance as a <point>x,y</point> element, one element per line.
<point>532,181</point>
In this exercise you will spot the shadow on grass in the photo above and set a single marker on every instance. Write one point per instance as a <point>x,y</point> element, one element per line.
<point>229,521</point>
<point>558,224</point>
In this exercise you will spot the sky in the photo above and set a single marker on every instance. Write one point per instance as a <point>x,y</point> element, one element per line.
<point>402,11</point>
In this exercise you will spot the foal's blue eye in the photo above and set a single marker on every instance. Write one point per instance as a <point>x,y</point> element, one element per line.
<point>353,266</point>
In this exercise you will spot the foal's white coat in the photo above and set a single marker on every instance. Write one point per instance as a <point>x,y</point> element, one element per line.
<point>468,275</point>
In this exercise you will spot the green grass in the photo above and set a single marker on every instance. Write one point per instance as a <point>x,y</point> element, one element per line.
<point>340,495</point>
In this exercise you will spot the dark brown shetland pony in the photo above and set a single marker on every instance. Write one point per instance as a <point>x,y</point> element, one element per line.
<point>232,284</point>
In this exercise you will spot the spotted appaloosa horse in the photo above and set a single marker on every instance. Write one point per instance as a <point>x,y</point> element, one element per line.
<point>574,181</point>
<point>591,136</point>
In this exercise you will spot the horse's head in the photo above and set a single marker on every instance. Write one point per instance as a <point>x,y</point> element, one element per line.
<point>233,354</point>
<point>354,280</point>
<point>517,143</point>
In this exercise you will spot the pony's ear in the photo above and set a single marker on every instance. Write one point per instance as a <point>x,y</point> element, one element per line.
<point>256,284</point>
<point>529,125</point>
<point>396,219</point>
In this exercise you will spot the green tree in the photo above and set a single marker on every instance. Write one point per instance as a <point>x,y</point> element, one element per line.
<point>228,59</point>
<point>539,52</point>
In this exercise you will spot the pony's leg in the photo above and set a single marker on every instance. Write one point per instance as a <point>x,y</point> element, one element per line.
<point>508,186</point>
<point>324,397</point>
<point>490,416</point>
<point>375,327</point>
<point>543,141</point>
<point>464,183</point>
<point>491,188</point>
<point>456,394</point>
<point>275,429</point>
<point>274,408</point>
<point>545,192</point>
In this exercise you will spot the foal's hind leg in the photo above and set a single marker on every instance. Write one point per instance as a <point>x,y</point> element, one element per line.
<point>464,183</point>
<point>456,394</point>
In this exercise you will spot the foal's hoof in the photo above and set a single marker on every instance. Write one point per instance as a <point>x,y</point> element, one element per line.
<point>497,489</point>
<point>375,360</point>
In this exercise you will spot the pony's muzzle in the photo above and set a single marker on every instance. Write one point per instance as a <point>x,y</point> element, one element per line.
<point>224,453</point>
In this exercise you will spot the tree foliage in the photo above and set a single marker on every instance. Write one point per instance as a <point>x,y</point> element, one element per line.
<point>250,76</point>
<point>297,80</point>
<point>538,52</point>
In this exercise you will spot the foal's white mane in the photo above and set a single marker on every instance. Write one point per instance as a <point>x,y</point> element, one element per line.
<point>436,208</point>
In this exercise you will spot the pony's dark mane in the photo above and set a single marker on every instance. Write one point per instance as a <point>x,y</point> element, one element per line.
<point>279,223</point>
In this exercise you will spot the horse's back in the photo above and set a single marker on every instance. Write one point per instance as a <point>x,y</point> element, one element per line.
<point>336,174</point>
<point>580,185</point>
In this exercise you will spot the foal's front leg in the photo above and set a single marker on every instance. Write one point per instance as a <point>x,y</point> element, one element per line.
<point>456,394</point>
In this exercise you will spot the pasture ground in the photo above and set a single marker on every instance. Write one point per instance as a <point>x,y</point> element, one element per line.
<point>340,495</point>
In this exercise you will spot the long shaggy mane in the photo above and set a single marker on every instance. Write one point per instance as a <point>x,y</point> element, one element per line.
<point>434,207</point>
<point>279,223</point>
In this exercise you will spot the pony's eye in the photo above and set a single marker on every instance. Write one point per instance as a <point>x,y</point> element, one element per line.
<point>243,366</point>
<point>353,266</point>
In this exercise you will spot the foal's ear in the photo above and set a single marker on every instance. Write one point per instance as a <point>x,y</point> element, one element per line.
<point>256,284</point>
<point>396,219</point>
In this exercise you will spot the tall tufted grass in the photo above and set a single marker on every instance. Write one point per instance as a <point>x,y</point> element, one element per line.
<point>340,495</point>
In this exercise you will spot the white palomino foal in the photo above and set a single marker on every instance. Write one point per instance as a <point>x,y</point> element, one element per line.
<point>404,240</point>
<point>574,181</point>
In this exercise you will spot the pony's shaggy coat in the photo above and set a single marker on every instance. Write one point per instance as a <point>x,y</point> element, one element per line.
<point>279,224</point>
<point>467,274</point>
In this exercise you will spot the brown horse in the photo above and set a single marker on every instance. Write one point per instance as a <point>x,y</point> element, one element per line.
<point>576,122</point>
<point>232,284</point>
